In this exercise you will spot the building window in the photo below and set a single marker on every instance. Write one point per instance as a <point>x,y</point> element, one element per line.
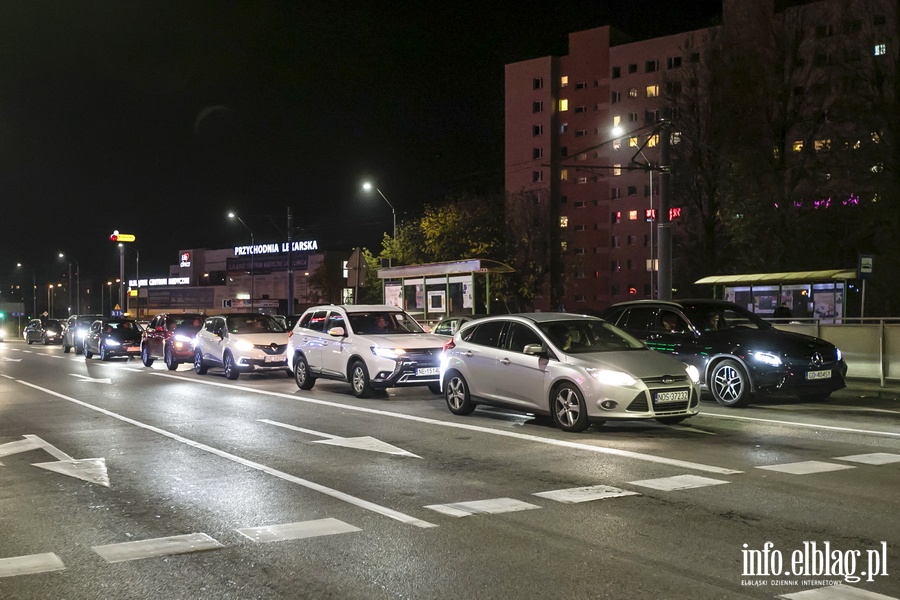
<point>617,143</point>
<point>695,57</point>
<point>581,157</point>
<point>651,66</point>
<point>617,169</point>
<point>580,85</point>
<point>613,290</point>
<point>580,204</point>
<point>537,153</point>
<point>632,190</point>
<point>615,266</point>
<point>615,193</point>
<point>632,93</point>
<point>563,105</point>
<point>880,49</point>
<point>579,228</point>
<point>581,180</point>
<point>673,62</point>
<point>632,240</point>
<point>629,264</point>
<point>564,175</point>
<point>564,222</point>
<point>616,217</point>
<point>580,109</point>
<point>616,72</point>
<point>633,141</point>
<point>652,91</point>
<point>563,127</point>
<point>579,250</point>
<point>579,275</point>
<point>537,130</point>
<point>673,88</point>
<point>537,106</point>
<point>632,68</point>
<point>651,116</point>
<point>653,141</point>
<point>632,215</point>
<point>537,83</point>
<point>563,246</point>
<point>564,81</point>
<point>646,191</point>
<point>537,176</point>
<point>822,145</point>
<point>676,137</point>
<point>615,97</point>
<point>798,146</point>
<point>633,117</point>
<point>581,133</point>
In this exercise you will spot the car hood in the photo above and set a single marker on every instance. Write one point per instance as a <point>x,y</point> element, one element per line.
<point>261,339</point>
<point>124,336</point>
<point>786,343</point>
<point>639,364</point>
<point>404,340</point>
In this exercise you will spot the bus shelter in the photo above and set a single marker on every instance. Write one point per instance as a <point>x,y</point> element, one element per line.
<point>436,290</point>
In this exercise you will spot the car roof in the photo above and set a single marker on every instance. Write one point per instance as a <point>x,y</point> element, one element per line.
<point>355,308</point>
<point>546,317</point>
<point>674,303</point>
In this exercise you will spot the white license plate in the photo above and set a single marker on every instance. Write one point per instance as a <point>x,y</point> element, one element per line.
<point>427,371</point>
<point>819,374</point>
<point>276,358</point>
<point>663,397</point>
<point>133,349</point>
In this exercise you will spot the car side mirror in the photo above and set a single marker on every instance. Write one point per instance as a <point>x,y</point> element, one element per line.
<point>535,350</point>
<point>337,332</point>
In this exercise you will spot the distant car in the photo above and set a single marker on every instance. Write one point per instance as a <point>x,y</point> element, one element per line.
<point>74,330</point>
<point>170,336</point>
<point>111,337</point>
<point>737,353</point>
<point>2,333</point>
<point>374,347</point>
<point>577,369</point>
<point>241,343</point>
<point>450,325</point>
<point>46,331</point>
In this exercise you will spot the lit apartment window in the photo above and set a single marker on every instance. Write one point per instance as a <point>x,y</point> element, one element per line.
<point>822,145</point>
<point>676,137</point>
<point>633,141</point>
<point>537,176</point>
<point>563,246</point>
<point>798,145</point>
<point>653,141</point>
<point>581,180</point>
<point>876,137</point>
<point>537,153</point>
<point>880,49</point>
<point>564,175</point>
<point>537,130</point>
<point>617,169</point>
<point>652,91</point>
<point>537,83</point>
<point>564,81</point>
<point>632,93</point>
<point>537,106</point>
<point>564,221</point>
<point>563,105</point>
<point>617,144</point>
<point>632,215</point>
<point>616,120</point>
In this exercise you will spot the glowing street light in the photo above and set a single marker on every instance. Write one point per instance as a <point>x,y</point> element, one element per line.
<point>368,187</point>
<point>231,215</point>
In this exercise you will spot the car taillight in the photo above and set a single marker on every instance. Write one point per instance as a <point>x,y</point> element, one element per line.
<point>449,345</point>
<point>290,334</point>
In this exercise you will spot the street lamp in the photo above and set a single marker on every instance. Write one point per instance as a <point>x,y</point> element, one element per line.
<point>33,290</point>
<point>367,186</point>
<point>231,215</point>
<point>77,284</point>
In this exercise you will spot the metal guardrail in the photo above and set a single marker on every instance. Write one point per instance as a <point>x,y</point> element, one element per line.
<point>871,345</point>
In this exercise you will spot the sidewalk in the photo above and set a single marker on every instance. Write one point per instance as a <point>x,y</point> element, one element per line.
<point>869,388</point>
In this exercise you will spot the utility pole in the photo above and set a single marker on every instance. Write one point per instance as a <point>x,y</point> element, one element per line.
<point>664,229</point>
<point>290,265</point>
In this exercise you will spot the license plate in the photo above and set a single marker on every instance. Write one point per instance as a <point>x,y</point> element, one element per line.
<point>663,397</point>
<point>274,358</point>
<point>427,371</point>
<point>819,374</point>
<point>133,349</point>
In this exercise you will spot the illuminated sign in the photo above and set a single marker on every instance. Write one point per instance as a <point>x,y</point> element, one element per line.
<point>159,281</point>
<point>185,259</point>
<point>298,246</point>
<point>121,237</point>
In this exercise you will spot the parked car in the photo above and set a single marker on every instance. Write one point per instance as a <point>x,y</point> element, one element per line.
<point>373,347</point>
<point>43,331</point>
<point>74,330</point>
<point>241,343</point>
<point>738,354</point>
<point>577,369</point>
<point>170,336</point>
<point>450,325</point>
<point>111,337</point>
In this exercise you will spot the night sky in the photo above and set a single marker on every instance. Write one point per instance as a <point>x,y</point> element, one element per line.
<point>156,118</point>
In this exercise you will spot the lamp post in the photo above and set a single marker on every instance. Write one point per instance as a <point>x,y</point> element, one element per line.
<point>137,279</point>
<point>231,215</point>
<point>77,291</point>
<point>33,290</point>
<point>367,186</point>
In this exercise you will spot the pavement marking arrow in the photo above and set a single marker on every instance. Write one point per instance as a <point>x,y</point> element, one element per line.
<point>359,443</point>
<point>106,380</point>
<point>92,470</point>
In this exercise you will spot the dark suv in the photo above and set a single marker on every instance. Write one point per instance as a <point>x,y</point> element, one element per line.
<point>737,353</point>
<point>169,337</point>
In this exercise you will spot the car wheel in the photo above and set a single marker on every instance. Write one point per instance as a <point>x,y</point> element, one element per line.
<point>169,358</point>
<point>28,341</point>
<point>671,420</point>
<point>302,377</point>
<point>568,408</point>
<point>435,388</point>
<point>104,353</point>
<point>456,394</point>
<point>66,348</point>
<point>145,356</point>
<point>87,353</point>
<point>729,384</point>
<point>44,340</point>
<point>359,378</point>
<point>78,349</point>
<point>231,371</point>
<point>199,366</point>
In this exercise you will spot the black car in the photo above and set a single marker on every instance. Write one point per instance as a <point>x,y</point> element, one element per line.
<point>737,353</point>
<point>44,331</point>
<point>113,337</point>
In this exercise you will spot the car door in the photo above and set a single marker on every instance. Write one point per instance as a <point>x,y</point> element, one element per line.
<point>311,333</point>
<point>334,356</point>
<point>650,325</point>
<point>211,338</point>
<point>521,379</point>
<point>92,337</point>
<point>151,335</point>
<point>481,357</point>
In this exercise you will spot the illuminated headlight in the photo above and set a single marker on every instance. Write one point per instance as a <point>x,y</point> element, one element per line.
<point>768,358</point>
<point>183,338</point>
<point>607,377</point>
<point>838,352</point>
<point>693,373</point>
<point>243,345</point>
<point>392,353</point>
<point>112,343</point>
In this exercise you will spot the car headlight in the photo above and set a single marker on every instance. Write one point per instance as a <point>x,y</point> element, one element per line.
<point>693,373</point>
<point>608,377</point>
<point>243,345</point>
<point>112,343</point>
<point>768,358</point>
<point>184,338</point>
<point>837,352</point>
<point>392,353</point>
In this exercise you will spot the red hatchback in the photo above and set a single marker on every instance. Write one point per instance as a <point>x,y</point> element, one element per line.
<point>169,336</point>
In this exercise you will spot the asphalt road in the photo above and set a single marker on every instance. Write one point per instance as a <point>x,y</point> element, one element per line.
<point>121,481</point>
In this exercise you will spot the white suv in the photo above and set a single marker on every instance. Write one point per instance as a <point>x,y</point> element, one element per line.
<point>241,343</point>
<point>374,347</point>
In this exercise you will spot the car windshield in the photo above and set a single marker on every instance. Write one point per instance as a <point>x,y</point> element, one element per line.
<point>254,324</point>
<point>719,317</point>
<point>121,326</point>
<point>194,322</point>
<point>574,336</point>
<point>54,326</point>
<point>383,322</point>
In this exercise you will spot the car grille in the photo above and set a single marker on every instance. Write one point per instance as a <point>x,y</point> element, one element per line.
<point>666,383</point>
<point>423,356</point>
<point>272,348</point>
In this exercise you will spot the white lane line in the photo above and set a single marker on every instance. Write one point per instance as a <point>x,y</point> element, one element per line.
<point>678,482</point>
<point>807,425</point>
<point>300,429</point>
<point>493,506</point>
<point>585,494</point>
<point>359,502</point>
<point>806,467</point>
<point>27,565</point>
<point>510,434</point>
<point>8,376</point>
<point>875,458</point>
<point>297,531</point>
<point>165,546</point>
<point>48,448</point>
<point>836,592</point>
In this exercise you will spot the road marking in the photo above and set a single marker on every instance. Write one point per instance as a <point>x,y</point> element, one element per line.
<point>585,494</point>
<point>359,443</point>
<point>92,470</point>
<point>491,507</point>
<point>678,482</point>
<point>4,359</point>
<point>875,458</point>
<point>297,531</point>
<point>92,379</point>
<point>836,592</point>
<point>48,447</point>
<point>806,467</point>
<point>807,425</point>
<point>8,376</point>
<point>165,546</point>
<point>358,502</point>
<point>28,565</point>
<point>18,446</point>
<point>510,434</point>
